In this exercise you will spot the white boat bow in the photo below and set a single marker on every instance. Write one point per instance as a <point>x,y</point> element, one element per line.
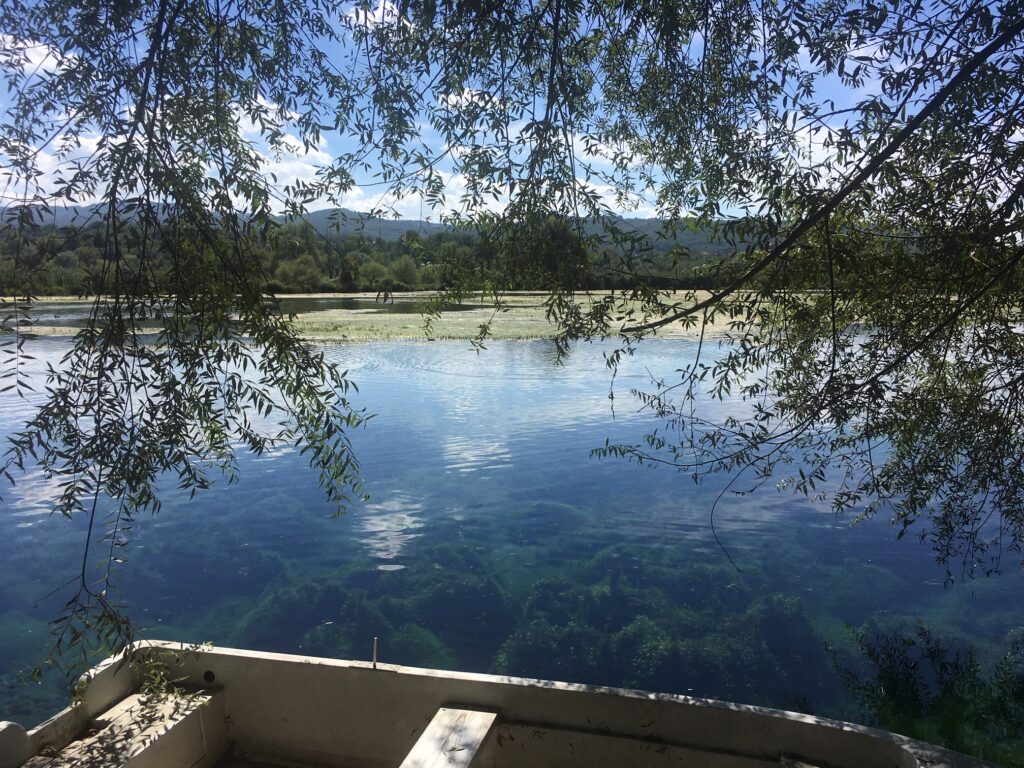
<point>244,708</point>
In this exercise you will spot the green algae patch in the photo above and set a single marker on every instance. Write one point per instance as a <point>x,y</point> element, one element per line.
<point>520,322</point>
<point>403,317</point>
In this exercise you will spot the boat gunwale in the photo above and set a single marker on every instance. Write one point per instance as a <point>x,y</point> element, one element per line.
<point>113,679</point>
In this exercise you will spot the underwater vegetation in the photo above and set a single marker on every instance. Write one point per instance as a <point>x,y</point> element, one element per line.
<point>449,612</point>
<point>494,543</point>
<point>619,624</point>
<point>909,681</point>
<point>496,596</point>
<point>636,617</point>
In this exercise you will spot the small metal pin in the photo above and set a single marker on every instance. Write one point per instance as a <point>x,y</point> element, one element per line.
<point>374,652</point>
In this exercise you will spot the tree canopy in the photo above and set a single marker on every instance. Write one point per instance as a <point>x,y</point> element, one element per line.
<point>864,157</point>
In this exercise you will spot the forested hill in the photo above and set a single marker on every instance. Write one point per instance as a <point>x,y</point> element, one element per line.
<point>342,250</point>
<point>343,222</point>
<point>333,222</point>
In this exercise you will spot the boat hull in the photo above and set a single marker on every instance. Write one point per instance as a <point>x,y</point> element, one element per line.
<point>300,710</point>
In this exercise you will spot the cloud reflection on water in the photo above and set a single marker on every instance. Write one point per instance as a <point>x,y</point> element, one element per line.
<point>385,527</point>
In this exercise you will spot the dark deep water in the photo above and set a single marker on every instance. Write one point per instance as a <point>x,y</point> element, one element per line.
<point>493,542</point>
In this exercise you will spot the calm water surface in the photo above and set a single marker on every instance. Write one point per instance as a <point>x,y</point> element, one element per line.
<point>493,542</point>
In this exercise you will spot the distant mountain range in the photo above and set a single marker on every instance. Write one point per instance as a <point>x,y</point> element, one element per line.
<point>332,221</point>
<point>342,222</point>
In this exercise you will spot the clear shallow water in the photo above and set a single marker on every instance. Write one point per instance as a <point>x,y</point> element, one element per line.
<point>493,542</point>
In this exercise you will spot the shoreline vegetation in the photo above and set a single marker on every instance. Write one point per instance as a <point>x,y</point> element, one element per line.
<point>523,318</point>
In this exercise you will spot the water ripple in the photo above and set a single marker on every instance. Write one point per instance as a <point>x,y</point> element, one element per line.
<point>386,527</point>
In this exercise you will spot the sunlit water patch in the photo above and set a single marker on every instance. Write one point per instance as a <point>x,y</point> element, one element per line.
<point>387,527</point>
<point>494,542</point>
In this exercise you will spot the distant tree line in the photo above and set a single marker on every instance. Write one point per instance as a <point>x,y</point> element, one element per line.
<point>299,259</point>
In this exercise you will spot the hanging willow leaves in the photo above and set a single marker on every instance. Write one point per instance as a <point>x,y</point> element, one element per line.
<point>183,361</point>
<point>864,158</point>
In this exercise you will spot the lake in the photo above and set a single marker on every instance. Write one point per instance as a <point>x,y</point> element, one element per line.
<point>494,542</point>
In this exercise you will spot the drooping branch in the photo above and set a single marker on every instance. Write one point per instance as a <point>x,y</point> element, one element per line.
<point>822,212</point>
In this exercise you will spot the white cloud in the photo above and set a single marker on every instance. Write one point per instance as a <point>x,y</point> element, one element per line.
<point>273,115</point>
<point>469,97</point>
<point>289,146</point>
<point>31,57</point>
<point>50,170</point>
<point>384,14</point>
<point>456,187</point>
<point>815,145</point>
<point>634,206</point>
<point>601,154</point>
<point>412,205</point>
<point>290,162</point>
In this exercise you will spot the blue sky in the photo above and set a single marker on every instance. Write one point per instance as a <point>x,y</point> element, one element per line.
<point>291,162</point>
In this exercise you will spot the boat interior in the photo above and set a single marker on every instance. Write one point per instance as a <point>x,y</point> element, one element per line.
<point>244,709</point>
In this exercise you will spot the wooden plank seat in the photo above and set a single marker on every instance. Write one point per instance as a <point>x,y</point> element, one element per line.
<point>452,739</point>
